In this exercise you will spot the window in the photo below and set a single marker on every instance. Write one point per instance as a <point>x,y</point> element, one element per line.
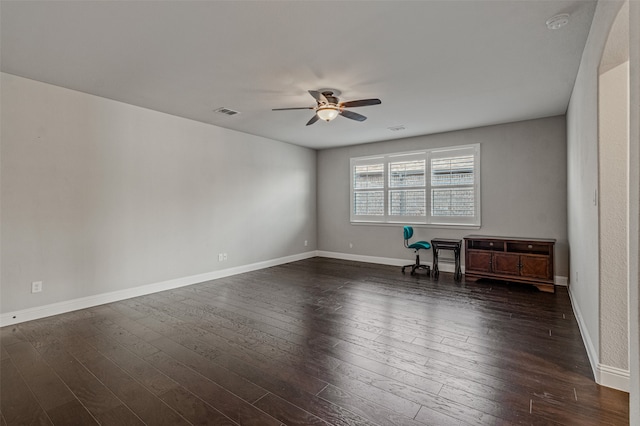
<point>435,187</point>
<point>369,185</point>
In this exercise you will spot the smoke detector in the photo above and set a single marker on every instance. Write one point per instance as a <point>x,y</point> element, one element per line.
<point>558,21</point>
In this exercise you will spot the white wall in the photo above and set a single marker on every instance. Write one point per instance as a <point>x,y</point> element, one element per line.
<point>634,212</point>
<point>100,196</point>
<point>613,155</point>
<point>582,173</point>
<point>582,176</point>
<point>523,186</point>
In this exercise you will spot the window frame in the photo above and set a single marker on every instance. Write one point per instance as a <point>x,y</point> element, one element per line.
<point>367,161</point>
<point>427,219</point>
<point>401,158</point>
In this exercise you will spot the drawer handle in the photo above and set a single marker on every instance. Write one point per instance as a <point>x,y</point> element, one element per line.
<point>530,246</point>
<point>491,244</point>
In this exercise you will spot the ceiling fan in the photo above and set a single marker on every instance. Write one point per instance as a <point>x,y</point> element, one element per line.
<point>329,106</point>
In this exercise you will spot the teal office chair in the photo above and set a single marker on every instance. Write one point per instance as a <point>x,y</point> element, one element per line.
<point>416,247</point>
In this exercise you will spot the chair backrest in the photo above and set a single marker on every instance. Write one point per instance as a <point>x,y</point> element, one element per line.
<point>408,232</point>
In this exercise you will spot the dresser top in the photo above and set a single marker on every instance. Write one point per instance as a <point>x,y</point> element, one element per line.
<point>496,238</point>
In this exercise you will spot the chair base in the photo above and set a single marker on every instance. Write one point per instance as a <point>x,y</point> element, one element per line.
<point>414,268</point>
<point>417,266</point>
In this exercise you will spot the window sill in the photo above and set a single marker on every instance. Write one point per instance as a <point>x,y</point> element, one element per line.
<point>417,225</point>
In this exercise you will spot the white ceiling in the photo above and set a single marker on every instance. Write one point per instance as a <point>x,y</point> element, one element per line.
<point>436,65</point>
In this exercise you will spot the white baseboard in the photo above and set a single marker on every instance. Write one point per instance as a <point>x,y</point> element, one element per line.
<point>38,312</point>
<point>592,354</point>
<point>446,266</point>
<point>604,375</point>
<point>560,280</point>
<point>613,377</point>
<point>443,266</point>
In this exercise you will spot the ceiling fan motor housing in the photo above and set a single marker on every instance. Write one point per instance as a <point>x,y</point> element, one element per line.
<point>331,99</point>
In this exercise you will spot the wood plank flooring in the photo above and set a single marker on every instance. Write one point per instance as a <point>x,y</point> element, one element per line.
<point>315,342</point>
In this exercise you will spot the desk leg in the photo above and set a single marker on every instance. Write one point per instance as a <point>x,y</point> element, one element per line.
<point>458,275</point>
<point>436,271</point>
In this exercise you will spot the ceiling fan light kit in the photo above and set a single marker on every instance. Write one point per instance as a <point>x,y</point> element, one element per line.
<point>328,106</point>
<point>327,113</point>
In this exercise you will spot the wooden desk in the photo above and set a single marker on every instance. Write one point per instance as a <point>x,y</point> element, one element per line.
<point>438,244</point>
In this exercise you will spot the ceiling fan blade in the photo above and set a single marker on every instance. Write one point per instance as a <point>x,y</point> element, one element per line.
<point>319,97</point>
<point>360,103</point>
<point>352,115</point>
<point>313,119</point>
<point>287,109</point>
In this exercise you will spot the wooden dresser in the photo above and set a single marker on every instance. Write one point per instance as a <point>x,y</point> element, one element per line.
<point>523,260</point>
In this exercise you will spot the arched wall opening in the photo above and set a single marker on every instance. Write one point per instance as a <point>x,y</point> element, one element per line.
<point>613,176</point>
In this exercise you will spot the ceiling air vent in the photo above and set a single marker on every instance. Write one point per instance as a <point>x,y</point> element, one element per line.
<point>226,111</point>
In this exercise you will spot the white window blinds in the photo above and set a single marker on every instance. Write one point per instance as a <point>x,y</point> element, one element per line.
<point>407,194</point>
<point>438,187</point>
<point>452,186</point>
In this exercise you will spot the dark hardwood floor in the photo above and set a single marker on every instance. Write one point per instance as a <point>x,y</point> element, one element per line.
<point>315,342</point>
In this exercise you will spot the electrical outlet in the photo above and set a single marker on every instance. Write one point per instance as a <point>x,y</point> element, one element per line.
<point>36,287</point>
<point>220,257</point>
<point>350,245</point>
<point>306,243</point>
<point>224,257</point>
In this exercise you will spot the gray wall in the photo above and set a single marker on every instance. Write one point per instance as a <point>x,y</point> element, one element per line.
<point>523,189</point>
<point>100,196</point>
